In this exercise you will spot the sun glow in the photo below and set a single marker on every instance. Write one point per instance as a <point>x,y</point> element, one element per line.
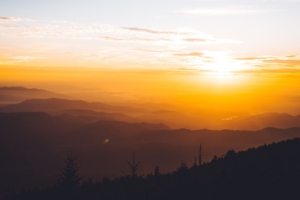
<point>224,71</point>
<point>223,65</point>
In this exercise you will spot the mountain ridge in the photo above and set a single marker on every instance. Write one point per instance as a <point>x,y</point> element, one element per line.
<point>56,104</point>
<point>14,95</point>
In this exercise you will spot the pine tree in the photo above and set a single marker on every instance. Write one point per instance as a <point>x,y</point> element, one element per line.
<point>156,171</point>
<point>69,178</point>
<point>182,167</point>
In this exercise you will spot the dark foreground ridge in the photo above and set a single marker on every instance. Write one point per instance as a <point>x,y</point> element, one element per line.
<point>268,172</point>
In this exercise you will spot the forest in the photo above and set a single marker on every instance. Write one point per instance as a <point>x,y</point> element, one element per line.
<point>267,172</point>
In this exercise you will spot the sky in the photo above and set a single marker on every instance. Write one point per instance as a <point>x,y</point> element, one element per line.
<point>156,47</point>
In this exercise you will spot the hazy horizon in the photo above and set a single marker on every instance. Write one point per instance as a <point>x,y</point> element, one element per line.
<point>217,55</point>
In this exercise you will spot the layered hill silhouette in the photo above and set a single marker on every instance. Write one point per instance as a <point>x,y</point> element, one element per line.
<point>38,129</point>
<point>33,146</point>
<point>242,122</point>
<point>259,121</point>
<point>92,112</point>
<point>175,119</point>
<point>9,95</point>
<point>102,115</point>
<point>58,105</point>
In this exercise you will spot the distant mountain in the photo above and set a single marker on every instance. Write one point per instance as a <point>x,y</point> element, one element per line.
<point>19,89</point>
<point>9,95</point>
<point>57,105</point>
<point>116,130</point>
<point>260,121</point>
<point>102,115</point>
<point>84,119</point>
<point>152,107</point>
<point>216,141</point>
<point>174,119</point>
<point>33,146</point>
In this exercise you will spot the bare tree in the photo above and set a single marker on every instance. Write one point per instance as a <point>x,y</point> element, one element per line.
<point>133,167</point>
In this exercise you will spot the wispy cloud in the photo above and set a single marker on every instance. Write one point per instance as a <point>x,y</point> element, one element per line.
<point>15,60</point>
<point>197,54</point>
<point>151,31</point>
<point>199,40</point>
<point>134,46</point>
<point>9,19</point>
<point>289,63</point>
<point>231,10</point>
<point>106,32</point>
<point>132,39</point>
<point>21,58</point>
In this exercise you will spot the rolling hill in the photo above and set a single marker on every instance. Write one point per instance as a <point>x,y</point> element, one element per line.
<point>260,121</point>
<point>58,105</point>
<point>13,95</point>
<point>33,146</point>
<point>102,115</point>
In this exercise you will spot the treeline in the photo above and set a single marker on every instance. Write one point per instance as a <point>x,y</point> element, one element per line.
<point>267,172</point>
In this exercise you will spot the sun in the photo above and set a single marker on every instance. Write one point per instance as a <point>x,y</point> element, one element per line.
<point>223,71</point>
<point>223,66</point>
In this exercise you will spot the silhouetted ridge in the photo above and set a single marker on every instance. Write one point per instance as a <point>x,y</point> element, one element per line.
<point>33,146</point>
<point>14,95</point>
<point>101,115</point>
<point>123,125</point>
<point>21,89</point>
<point>165,112</point>
<point>260,121</point>
<point>117,130</point>
<point>13,120</point>
<point>54,104</point>
<point>34,126</point>
<point>267,172</point>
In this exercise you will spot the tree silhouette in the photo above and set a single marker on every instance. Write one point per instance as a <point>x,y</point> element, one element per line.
<point>215,158</point>
<point>69,178</point>
<point>230,153</point>
<point>133,167</point>
<point>156,171</point>
<point>182,167</point>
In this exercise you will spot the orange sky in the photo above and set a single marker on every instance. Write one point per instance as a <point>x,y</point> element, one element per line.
<point>230,55</point>
<point>246,92</point>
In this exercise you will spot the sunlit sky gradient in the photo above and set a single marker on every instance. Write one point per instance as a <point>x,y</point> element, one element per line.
<point>182,43</point>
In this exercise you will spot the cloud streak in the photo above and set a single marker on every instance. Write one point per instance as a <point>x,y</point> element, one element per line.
<point>9,19</point>
<point>104,32</point>
<point>132,39</point>
<point>232,10</point>
<point>128,46</point>
<point>151,31</point>
<point>274,64</point>
<point>193,54</point>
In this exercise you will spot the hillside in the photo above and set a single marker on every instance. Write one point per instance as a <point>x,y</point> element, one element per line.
<point>173,119</point>
<point>101,115</point>
<point>12,95</point>
<point>267,172</point>
<point>55,105</point>
<point>260,121</point>
<point>33,146</point>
